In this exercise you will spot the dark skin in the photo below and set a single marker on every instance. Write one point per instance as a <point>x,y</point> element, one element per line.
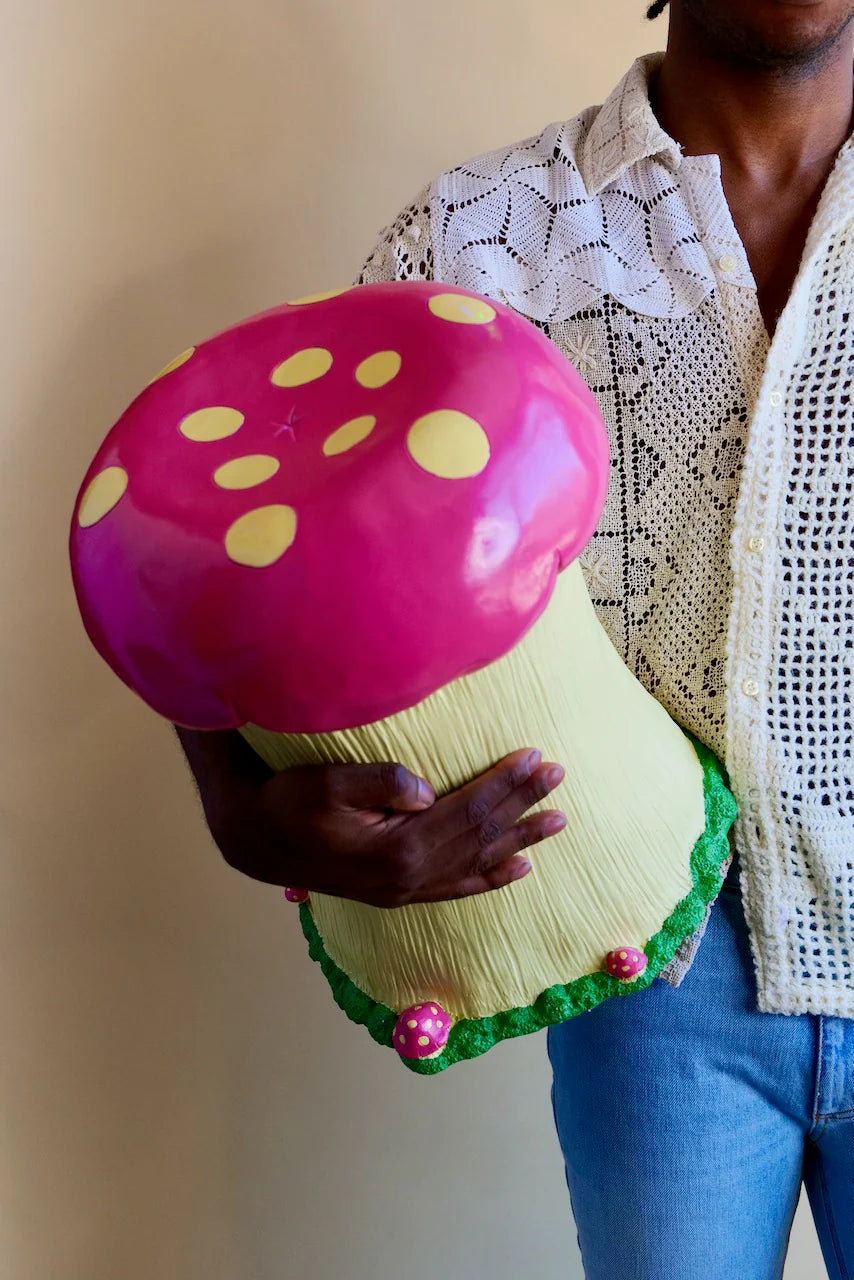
<point>766,85</point>
<point>374,833</point>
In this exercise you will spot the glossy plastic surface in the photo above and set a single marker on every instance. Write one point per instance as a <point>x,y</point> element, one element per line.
<point>324,513</point>
<point>422,1031</point>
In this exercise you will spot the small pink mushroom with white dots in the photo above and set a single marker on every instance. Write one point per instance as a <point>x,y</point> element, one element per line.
<point>422,1031</point>
<point>626,963</point>
<point>296,895</point>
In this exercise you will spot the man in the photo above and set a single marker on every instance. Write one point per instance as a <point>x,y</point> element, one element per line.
<point>690,246</point>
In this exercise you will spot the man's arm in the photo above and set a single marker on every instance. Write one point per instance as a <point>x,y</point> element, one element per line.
<point>223,764</point>
<point>375,833</point>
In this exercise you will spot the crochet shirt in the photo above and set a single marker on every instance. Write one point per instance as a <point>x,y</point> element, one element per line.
<point>722,567</point>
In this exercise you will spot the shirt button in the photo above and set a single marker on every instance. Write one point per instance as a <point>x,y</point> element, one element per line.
<point>756,544</point>
<point>727,262</point>
<point>776,398</point>
<point>750,687</point>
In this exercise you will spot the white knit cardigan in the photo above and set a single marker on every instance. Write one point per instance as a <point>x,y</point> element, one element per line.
<point>723,564</point>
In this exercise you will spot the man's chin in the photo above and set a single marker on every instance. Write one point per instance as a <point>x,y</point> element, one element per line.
<point>787,36</point>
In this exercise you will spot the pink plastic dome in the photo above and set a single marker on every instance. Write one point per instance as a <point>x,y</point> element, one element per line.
<point>322,514</point>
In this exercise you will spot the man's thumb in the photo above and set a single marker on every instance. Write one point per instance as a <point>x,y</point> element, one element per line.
<point>384,786</point>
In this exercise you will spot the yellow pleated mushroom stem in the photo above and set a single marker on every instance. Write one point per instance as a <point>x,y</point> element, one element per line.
<point>633,796</point>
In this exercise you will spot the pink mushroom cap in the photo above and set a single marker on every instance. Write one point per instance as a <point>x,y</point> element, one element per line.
<point>422,1031</point>
<point>625,963</point>
<point>296,895</point>
<point>326,512</point>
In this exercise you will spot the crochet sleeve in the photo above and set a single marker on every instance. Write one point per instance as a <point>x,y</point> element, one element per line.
<point>403,250</point>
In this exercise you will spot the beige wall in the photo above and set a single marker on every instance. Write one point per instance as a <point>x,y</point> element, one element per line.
<point>181,1099</point>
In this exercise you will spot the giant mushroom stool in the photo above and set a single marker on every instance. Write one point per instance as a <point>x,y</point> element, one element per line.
<point>350,527</point>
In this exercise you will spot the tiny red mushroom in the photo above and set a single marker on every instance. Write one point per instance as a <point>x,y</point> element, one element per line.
<point>422,1031</point>
<point>626,963</point>
<point>296,895</point>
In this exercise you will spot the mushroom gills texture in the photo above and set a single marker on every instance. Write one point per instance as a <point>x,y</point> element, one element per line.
<point>633,796</point>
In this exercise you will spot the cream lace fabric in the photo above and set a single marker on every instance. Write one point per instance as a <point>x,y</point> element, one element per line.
<point>723,564</point>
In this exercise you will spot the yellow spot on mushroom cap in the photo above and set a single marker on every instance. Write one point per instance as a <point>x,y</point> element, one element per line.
<point>304,366</point>
<point>448,444</point>
<point>174,364</point>
<point>243,473</point>
<point>352,433</point>
<point>460,309</point>
<point>378,369</point>
<point>101,495</point>
<point>316,297</point>
<point>423,1040</point>
<point>213,423</point>
<point>262,536</point>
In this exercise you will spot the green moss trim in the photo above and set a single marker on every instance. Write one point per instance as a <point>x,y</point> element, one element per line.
<point>471,1037</point>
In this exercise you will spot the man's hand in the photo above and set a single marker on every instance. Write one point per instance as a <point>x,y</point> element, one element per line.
<point>374,833</point>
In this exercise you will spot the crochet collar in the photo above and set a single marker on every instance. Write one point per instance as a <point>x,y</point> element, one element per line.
<point>625,130</point>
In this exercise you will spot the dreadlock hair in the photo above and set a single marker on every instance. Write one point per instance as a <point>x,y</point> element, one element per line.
<point>656,8</point>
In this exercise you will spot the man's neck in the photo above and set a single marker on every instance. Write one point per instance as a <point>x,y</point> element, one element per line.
<point>765,125</point>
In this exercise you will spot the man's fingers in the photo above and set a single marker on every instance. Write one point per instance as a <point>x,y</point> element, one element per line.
<point>470,806</point>
<point>504,862</point>
<point>544,779</point>
<point>376,786</point>
<point>512,869</point>
<point>524,834</point>
<point>484,829</point>
<point>515,868</point>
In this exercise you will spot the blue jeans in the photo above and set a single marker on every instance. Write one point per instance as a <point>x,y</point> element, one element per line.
<point>688,1120</point>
